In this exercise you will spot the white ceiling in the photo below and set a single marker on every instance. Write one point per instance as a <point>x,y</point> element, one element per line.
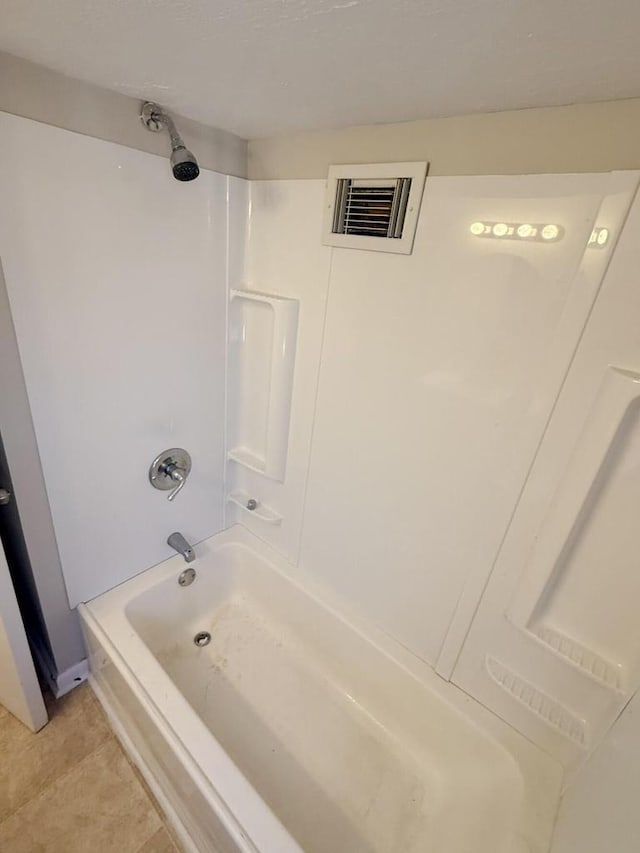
<point>260,67</point>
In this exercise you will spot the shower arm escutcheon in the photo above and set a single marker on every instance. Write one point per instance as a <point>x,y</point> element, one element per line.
<point>169,470</point>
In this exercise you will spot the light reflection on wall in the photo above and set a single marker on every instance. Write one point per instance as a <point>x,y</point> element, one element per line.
<point>540,232</point>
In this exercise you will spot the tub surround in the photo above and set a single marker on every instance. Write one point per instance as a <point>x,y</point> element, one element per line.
<point>422,387</point>
<point>418,396</point>
<point>112,258</point>
<point>393,354</point>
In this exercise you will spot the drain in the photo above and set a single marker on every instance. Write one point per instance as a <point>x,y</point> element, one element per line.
<point>187,577</point>
<point>202,638</point>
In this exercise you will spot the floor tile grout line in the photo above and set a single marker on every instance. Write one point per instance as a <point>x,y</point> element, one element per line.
<point>57,779</point>
<point>137,775</point>
<point>110,735</point>
<point>111,739</point>
<point>12,812</point>
<point>88,716</point>
<point>164,829</point>
<point>152,799</point>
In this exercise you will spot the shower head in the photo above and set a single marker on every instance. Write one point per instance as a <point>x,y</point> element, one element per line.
<point>183,162</point>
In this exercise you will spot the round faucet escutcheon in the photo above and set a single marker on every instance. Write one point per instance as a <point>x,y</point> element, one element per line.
<point>169,471</point>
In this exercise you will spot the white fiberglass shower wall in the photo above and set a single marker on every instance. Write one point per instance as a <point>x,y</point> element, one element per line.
<point>422,387</point>
<point>117,279</point>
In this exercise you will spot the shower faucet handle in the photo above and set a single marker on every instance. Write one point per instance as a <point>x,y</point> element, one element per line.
<point>169,470</point>
<point>177,474</point>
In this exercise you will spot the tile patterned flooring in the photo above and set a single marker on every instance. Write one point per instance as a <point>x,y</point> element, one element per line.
<point>70,788</point>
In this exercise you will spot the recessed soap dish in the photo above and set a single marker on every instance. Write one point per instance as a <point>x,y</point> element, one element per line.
<point>590,663</point>
<point>548,710</point>
<point>255,508</point>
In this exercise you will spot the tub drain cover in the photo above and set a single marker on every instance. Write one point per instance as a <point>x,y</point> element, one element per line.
<point>202,638</point>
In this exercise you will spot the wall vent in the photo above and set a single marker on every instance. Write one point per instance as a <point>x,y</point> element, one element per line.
<point>374,206</point>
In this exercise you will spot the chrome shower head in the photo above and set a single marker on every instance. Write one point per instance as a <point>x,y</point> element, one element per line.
<point>183,162</point>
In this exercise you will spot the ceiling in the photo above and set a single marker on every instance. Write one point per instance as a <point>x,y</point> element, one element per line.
<point>262,67</point>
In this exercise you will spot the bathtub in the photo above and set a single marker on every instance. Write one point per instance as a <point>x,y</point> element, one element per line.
<point>292,729</point>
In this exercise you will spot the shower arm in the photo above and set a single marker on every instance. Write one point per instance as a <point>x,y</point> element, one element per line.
<point>165,122</point>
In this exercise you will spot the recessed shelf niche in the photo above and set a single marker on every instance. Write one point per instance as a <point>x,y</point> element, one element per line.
<point>579,594</point>
<point>262,346</point>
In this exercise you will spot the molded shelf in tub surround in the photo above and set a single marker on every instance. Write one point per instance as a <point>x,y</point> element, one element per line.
<point>547,709</point>
<point>587,661</point>
<point>580,589</point>
<point>245,457</point>
<point>261,511</point>
<point>268,339</point>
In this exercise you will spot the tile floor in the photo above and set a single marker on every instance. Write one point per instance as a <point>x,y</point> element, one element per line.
<point>71,789</point>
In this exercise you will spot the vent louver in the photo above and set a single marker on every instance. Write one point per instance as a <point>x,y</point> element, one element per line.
<point>374,206</point>
<point>371,209</point>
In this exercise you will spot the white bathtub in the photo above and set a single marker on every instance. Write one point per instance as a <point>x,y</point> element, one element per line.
<point>292,731</point>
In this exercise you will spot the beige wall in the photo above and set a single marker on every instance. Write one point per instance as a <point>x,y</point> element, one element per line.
<point>35,92</point>
<point>583,138</point>
<point>580,138</point>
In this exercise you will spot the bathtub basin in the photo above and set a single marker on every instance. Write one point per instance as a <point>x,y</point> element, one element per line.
<point>290,730</point>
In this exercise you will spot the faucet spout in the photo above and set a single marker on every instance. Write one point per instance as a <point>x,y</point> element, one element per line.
<point>180,544</point>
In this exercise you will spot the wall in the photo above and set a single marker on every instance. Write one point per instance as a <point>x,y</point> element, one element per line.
<point>52,624</point>
<point>560,611</point>
<point>19,688</point>
<point>512,142</point>
<point>117,281</point>
<point>423,385</point>
<point>29,90</point>
<point>285,256</point>
<point>580,138</point>
<point>600,810</point>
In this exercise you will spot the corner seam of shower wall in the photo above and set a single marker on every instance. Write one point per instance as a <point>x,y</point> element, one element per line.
<point>229,286</point>
<point>225,402</point>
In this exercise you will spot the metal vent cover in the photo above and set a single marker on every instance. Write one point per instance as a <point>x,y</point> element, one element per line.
<point>371,209</point>
<point>374,206</point>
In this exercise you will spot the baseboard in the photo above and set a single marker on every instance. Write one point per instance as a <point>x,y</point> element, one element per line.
<point>58,683</point>
<point>71,677</point>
